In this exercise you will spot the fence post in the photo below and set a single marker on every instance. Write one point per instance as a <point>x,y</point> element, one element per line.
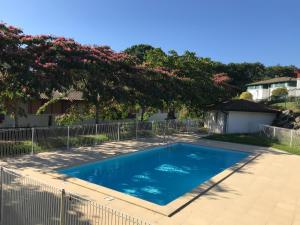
<point>152,127</point>
<point>2,205</point>
<point>187,126</point>
<point>118,131</point>
<point>68,139</point>
<point>165,130</point>
<point>62,207</point>
<point>96,133</point>
<point>291,140</point>
<point>136,129</point>
<point>274,132</point>
<point>32,141</point>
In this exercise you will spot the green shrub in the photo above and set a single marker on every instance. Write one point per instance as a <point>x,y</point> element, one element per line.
<point>279,92</point>
<point>74,115</point>
<point>10,148</point>
<point>246,96</point>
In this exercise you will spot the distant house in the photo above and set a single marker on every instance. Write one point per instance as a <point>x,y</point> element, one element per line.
<point>238,116</point>
<point>48,117</point>
<point>263,89</point>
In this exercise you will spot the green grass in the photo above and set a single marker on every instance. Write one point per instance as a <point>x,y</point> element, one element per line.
<point>294,106</point>
<point>254,139</point>
<point>10,148</point>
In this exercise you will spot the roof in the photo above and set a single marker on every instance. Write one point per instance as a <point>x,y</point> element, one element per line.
<point>71,96</point>
<point>243,106</point>
<point>274,80</point>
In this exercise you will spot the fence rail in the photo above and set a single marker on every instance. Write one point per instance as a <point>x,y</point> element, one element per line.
<point>282,135</point>
<point>31,140</point>
<point>25,201</point>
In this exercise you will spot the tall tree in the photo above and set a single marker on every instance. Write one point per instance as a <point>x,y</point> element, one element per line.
<point>16,77</point>
<point>139,51</point>
<point>196,88</point>
<point>103,76</point>
<point>280,71</point>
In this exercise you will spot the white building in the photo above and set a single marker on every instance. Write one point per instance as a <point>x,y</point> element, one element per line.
<point>239,116</point>
<point>263,89</point>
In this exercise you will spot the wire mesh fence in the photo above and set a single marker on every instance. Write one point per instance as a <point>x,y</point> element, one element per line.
<point>281,135</point>
<point>32,140</point>
<point>25,201</point>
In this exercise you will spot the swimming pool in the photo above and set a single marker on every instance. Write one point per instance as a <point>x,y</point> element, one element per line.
<point>160,174</point>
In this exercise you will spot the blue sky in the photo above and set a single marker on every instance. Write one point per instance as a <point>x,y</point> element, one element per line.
<point>225,30</point>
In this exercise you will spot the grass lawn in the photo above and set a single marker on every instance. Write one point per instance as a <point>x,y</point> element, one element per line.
<point>253,139</point>
<point>10,148</point>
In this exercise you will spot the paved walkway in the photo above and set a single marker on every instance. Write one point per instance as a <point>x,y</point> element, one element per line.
<point>265,191</point>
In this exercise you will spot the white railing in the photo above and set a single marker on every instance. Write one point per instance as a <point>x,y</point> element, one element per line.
<point>281,135</point>
<point>32,140</point>
<point>24,201</point>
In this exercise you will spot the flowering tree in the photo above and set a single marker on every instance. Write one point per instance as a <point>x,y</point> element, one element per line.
<point>15,74</point>
<point>194,87</point>
<point>152,87</point>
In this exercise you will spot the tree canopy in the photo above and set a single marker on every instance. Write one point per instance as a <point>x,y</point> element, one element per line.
<point>142,75</point>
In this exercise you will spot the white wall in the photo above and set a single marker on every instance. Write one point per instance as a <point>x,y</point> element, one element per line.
<point>158,116</point>
<point>248,122</point>
<point>259,94</point>
<point>215,121</point>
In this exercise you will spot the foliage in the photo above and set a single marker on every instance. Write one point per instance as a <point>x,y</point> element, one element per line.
<point>280,71</point>
<point>253,139</point>
<point>290,105</point>
<point>194,87</point>
<point>115,112</point>
<point>73,116</point>
<point>183,113</point>
<point>245,73</point>
<point>246,96</point>
<point>139,51</point>
<point>114,82</point>
<point>20,147</point>
<point>280,92</point>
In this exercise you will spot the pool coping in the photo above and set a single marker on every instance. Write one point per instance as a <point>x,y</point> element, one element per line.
<point>172,207</point>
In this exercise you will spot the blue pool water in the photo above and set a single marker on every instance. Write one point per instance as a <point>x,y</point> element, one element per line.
<point>159,174</point>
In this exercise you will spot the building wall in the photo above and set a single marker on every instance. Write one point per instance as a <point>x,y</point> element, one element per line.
<point>265,93</point>
<point>28,121</point>
<point>298,86</point>
<point>215,122</point>
<point>259,94</point>
<point>43,120</point>
<point>248,122</point>
<point>159,116</point>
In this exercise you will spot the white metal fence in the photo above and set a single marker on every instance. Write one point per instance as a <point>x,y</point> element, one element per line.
<point>31,140</point>
<point>281,135</point>
<point>24,201</point>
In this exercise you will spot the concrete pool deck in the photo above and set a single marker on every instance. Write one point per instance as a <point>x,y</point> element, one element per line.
<point>265,191</point>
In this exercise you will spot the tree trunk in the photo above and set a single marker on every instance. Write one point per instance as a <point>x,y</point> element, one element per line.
<point>171,113</point>
<point>142,114</point>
